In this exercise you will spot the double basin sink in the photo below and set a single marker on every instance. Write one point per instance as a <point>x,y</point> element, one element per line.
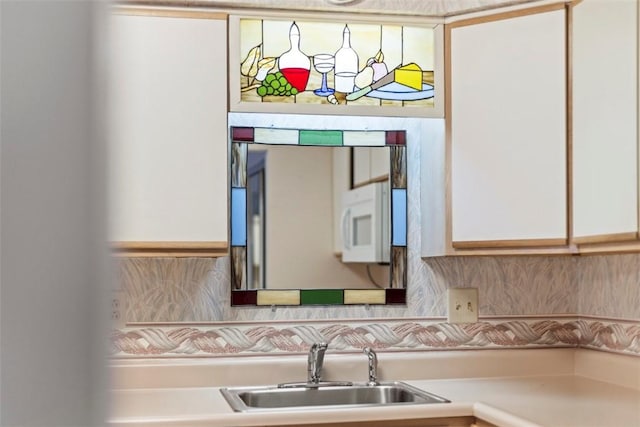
<point>329,396</point>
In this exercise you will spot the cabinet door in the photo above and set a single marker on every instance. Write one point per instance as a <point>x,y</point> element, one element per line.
<point>379,163</point>
<point>370,164</point>
<point>168,133</point>
<point>361,165</point>
<point>605,119</point>
<point>508,131</point>
<point>341,182</point>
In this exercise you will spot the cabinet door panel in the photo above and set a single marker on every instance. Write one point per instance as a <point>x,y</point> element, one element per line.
<point>605,114</point>
<point>167,147</point>
<point>508,129</point>
<point>341,182</point>
<point>361,165</point>
<point>379,163</point>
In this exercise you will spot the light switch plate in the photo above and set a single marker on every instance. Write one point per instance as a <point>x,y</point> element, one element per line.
<point>462,305</point>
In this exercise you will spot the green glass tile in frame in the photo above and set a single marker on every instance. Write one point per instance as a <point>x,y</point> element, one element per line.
<point>321,296</point>
<point>321,137</point>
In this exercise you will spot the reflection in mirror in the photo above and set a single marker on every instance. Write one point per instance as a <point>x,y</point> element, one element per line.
<point>256,221</point>
<point>283,221</point>
<point>293,244</point>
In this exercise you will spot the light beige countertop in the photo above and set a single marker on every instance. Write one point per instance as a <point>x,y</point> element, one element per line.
<point>578,398</point>
<point>566,400</point>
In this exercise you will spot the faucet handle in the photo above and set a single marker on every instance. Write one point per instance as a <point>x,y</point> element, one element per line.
<point>319,346</point>
<point>316,351</point>
<point>315,361</point>
<point>373,366</point>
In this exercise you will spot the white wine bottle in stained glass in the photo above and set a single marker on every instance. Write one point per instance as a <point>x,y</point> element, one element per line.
<point>293,64</point>
<point>346,66</point>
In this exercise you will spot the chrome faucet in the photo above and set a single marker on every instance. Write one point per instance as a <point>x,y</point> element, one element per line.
<point>314,362</point>
<point>373,366</point>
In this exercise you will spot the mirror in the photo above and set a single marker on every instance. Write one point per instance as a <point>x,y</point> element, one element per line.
<point>293,235</point>
<point>290,212</point>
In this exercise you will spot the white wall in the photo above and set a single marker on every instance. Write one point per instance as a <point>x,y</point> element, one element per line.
<point>51,339</point>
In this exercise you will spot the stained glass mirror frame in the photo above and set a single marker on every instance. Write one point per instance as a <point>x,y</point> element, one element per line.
<point>240,137</point>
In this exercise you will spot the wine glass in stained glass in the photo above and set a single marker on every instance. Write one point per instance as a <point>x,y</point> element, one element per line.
<point>323,63</point>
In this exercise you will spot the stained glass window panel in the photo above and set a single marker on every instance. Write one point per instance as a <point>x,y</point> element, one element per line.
<point>290,61</point>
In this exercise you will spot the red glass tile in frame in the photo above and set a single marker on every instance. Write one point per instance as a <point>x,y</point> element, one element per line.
<point>396,296</point>
<point>242,134</point>
<point>395,137</point>
<point>244,297</point>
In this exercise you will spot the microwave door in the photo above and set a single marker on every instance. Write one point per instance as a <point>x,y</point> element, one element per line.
<point>362,225</point>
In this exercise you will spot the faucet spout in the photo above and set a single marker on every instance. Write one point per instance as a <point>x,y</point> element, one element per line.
<point>315,361</point>
<point>373,366</point>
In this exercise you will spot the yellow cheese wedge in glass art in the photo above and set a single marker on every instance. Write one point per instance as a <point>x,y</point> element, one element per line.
<point>409,75</point>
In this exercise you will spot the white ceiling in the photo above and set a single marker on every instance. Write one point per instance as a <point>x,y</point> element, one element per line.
<point>430,8</point>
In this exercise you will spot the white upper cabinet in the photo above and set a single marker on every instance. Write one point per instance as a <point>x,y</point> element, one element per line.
<point>507,132</point>
<point>168,131</point>
<point>370,164</point>
<point>605,121</point>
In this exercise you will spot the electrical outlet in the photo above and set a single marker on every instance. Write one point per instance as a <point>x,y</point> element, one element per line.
<point>118,308</point>
<point>463,305</point>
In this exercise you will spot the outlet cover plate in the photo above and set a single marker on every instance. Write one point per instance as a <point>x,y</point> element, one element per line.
<point>462,306</point>
<point>118,308</point>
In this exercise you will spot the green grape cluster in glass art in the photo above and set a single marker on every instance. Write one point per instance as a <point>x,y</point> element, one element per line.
<point>276,84</point>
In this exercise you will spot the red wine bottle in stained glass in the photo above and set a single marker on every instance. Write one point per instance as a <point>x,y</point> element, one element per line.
<point>293,64</point>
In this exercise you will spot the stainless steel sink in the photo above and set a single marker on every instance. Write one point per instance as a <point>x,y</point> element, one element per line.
<point>274,398</point>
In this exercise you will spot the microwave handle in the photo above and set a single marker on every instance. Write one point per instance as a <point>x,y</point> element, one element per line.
<point>344,228</point>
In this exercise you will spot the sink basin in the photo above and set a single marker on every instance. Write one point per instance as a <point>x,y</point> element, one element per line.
<point>273,398</point>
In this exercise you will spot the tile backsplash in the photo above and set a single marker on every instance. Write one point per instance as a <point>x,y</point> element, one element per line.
<point>546,300</point>
<point>197,289</point>
<point>608,285</point>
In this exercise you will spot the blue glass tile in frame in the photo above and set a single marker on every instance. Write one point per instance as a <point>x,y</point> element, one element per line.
<point>238,217</point>
<point>399,217</point>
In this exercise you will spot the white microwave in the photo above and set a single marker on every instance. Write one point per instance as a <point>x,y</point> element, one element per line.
<point>365,224</point>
